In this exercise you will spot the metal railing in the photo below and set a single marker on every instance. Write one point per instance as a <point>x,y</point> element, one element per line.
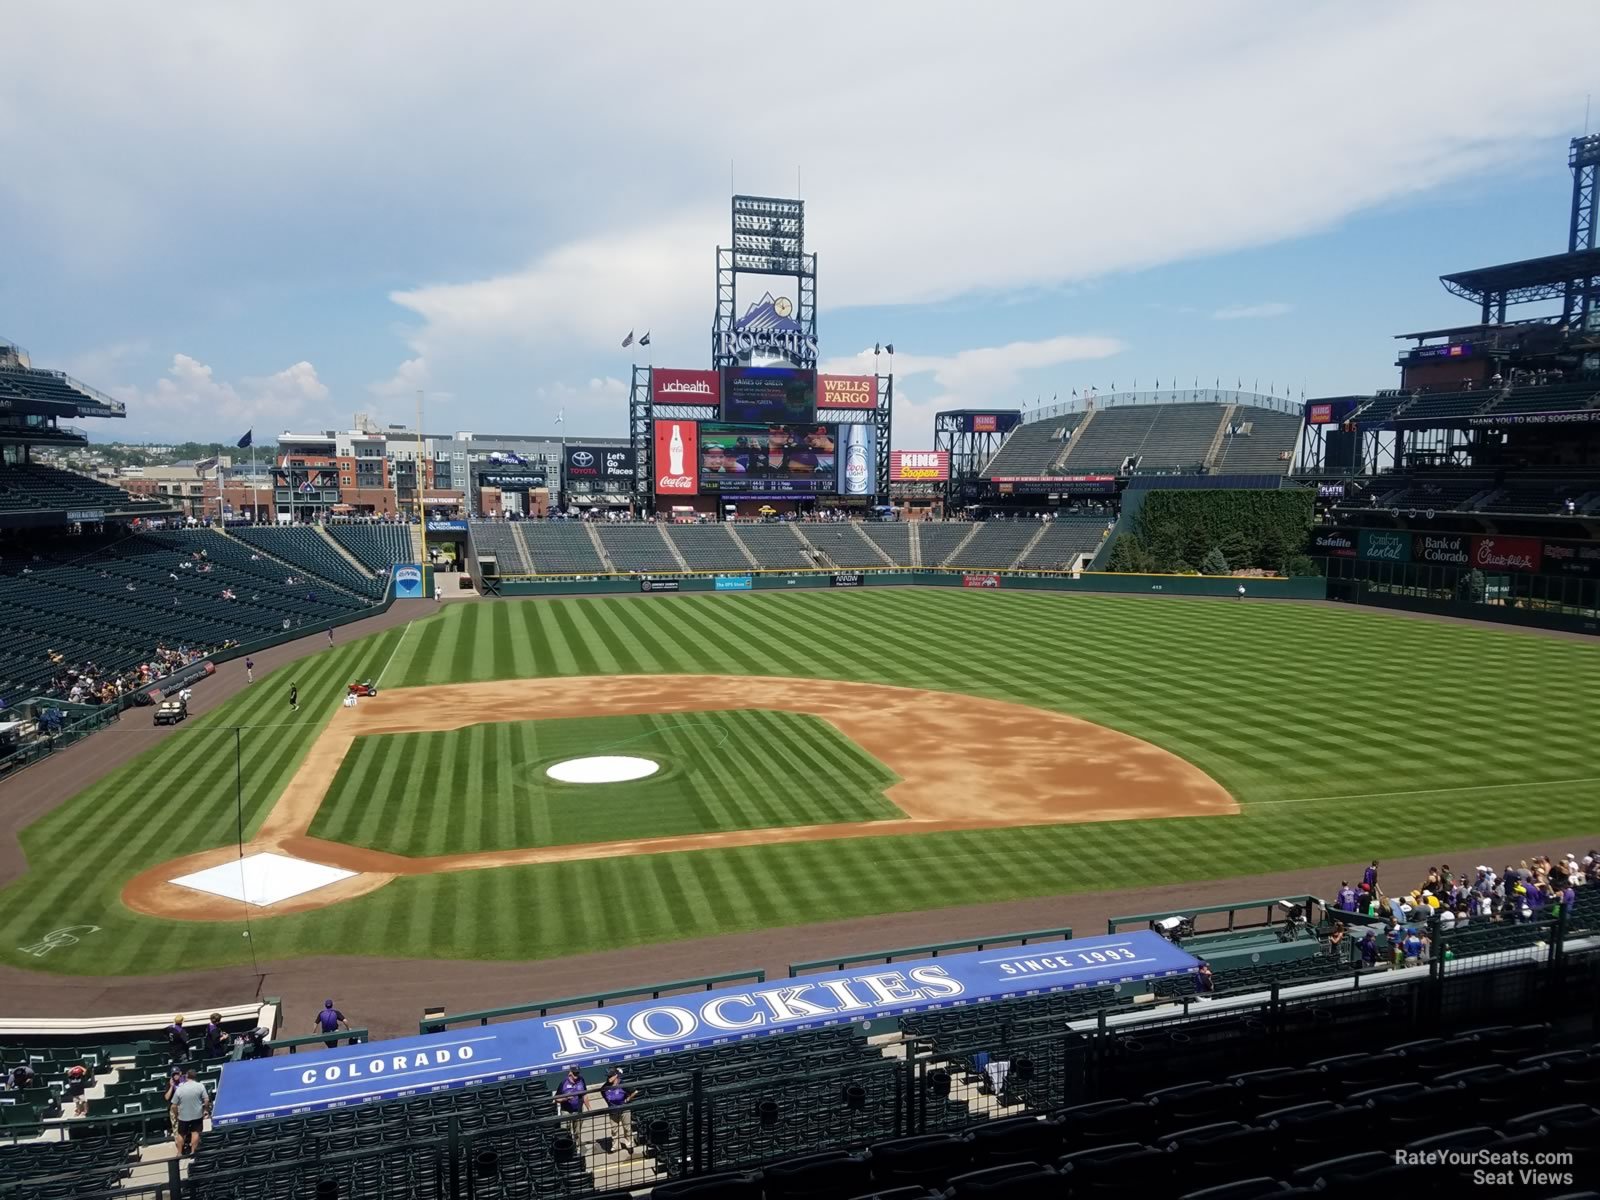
<point>930,951</point>
<point>440,1022</point>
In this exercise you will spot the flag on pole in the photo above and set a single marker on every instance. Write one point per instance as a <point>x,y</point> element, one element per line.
<point>645,340</point>
<point>561,416</point>
<point>628,341</point>
<point>245,443</point>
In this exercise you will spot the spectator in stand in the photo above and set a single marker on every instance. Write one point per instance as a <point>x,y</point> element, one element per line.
<point>193,1104</point>
<point>22,1077</point>
<point>1370,876</point>
<point>1205,985</point>
<point>1412,945</point>
<point>617,1096</point>
<point>178,1040</point>
<point>1346,900</point>
<point>215,1038</point>
<point>1368,950</point>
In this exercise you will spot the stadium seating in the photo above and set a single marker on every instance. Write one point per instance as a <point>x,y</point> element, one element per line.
<point>377,547</point>
<point>892,537</point>
<point>996,544</point>
<point>940,538</point>
<point>1181,436</point>
<point>845,544</point>
<point>1034,446</point>
<point>637,546</point>
<point>305,548</point>
<point>1380,408</point>
<point>25,486</point>
<point>775,546</point>
<point>1108,439</point>
<point>708,548</point>
<point>498,540</point>
<point>1555,397</point>
<point>1448,405</point>
<point>561,548</point>
<point>1267,447</point>
<point>1065,538</point>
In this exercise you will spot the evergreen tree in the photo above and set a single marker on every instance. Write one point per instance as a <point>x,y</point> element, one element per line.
<point>1214,563</point>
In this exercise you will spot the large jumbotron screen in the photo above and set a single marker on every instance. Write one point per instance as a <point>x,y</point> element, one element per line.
<point>768,395</point>
<point>799,459</point>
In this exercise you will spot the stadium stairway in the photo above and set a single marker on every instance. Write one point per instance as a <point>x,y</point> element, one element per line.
<point>672,546</point>
<point>343,552</point>
<point>809,548</point>
<point>314,554</point>
<point>1029,548</point>
<point>914,536</point>
<point>599,547</point>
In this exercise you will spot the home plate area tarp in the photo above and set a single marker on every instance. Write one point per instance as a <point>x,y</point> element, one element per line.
<point>309,1082</point>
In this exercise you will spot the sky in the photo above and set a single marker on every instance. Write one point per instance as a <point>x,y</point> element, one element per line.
<point>271,216</point>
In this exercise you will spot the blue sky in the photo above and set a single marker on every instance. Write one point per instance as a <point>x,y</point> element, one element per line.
<point>277,216</point>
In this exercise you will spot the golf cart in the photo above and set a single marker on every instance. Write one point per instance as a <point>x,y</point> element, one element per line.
<point>365,688</point>
<point>170,712</point>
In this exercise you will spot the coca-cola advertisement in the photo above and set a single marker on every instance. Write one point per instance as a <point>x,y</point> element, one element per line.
<point>1446,549</point>
<point>858,459</point>
<point>1498,553</point>
<point>677,447</point>
<point>670,386</point>
<point>847,391</point>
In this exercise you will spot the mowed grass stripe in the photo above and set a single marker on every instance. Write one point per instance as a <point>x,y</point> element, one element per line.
<point>1276,701</point>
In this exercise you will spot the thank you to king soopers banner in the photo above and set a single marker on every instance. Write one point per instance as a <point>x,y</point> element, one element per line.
<point>847,391</point>
<point>539,1046</point>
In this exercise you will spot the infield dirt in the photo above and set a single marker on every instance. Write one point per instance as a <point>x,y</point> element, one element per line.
<point>963,762</point>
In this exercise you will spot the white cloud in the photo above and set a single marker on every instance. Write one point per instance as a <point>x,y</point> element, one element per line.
<point>190,401</point>
<point>409,378</point>
<point>1247,312</point>
<point>985,375</point>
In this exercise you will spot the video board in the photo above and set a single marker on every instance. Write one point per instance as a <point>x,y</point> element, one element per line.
<point>768,396</point>
<point>792,459</point>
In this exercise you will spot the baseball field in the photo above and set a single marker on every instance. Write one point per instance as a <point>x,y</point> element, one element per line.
<point>819,755</point>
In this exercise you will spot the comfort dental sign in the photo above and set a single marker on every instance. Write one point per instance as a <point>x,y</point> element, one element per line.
<point>275,1087</point>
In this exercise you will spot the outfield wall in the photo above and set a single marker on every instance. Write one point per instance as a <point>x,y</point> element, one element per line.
<point>1256,588</point>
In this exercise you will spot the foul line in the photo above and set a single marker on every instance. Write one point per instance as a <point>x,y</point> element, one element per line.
<point>393,652</point>
<point>1476,787</point>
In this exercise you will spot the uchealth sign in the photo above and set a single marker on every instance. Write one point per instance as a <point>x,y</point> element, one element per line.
<point>677,458</point>
<point>847,391</point>
<point>916,466</point>
<point>540,1046</point>
<point>670,386</point>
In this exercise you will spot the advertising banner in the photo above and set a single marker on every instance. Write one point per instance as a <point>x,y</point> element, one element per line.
<point>407,581</point>
<point>734,583</point>
<point>1572,558</point>
<point>1334,543</point>
<point>847,391</point>
<point>848,579</point>
<point>668,386</point>
<point>1582,417</point>
<point>1329,412</point>
<point>858,459</point>
<point>1002,422</point>
<point>1445,549</point>
<point>1507,553</point>
<point>322,1079</point>
<point>447,526</point>
<point>768,395</point>
<point>677,450</point>
<point>980,581</point>
<point>1330,491</point>
<point>658,585</point>
<point>1385,545</point>
<point>919,466</point>
<point>511,483</point>
<point>768,459</point>
<point>599,463</point>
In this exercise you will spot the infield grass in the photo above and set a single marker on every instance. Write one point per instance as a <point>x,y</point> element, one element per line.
<point>484,787</point>
<point>1344,733</point>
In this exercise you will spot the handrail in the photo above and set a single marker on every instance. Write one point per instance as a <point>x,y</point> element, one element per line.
<point>932,951</point>
<point>1039,573</point>
<point>1197,910</point>
<point>442,1021</point>
<point>355,1036</point>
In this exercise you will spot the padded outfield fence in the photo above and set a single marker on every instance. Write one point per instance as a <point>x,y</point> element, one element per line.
<point>972,1083</point>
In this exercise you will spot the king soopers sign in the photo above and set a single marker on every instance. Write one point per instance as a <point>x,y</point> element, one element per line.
<point>273,1087</point>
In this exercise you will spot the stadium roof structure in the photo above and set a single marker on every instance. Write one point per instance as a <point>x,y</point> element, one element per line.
<point>1551,277</point>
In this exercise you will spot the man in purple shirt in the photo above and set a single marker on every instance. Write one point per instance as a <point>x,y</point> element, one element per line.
<point>1347,897</point>
<point>1370,876</point>
<point>570,1096</point>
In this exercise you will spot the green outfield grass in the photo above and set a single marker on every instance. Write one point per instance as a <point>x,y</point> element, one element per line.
<point>484,787</point>
<point>1344,733</point>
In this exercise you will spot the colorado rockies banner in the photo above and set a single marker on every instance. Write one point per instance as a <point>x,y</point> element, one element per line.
<point>275,1087</point>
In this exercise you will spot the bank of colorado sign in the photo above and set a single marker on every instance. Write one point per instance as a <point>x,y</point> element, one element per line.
<point>541,1046</point>
<point>917,466</point>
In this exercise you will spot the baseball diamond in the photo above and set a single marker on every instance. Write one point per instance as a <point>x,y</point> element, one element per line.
<point>990,745</point>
